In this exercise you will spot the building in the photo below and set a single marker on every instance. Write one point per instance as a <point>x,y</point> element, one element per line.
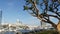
<point>0,16</point>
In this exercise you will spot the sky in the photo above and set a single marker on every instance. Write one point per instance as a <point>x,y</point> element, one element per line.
<point>13,10</point>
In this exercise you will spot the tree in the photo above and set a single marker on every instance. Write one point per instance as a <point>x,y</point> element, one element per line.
<point>42,8</point>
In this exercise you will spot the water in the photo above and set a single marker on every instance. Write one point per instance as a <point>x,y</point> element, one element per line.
<point>8,32</point>
<point>13,32</point>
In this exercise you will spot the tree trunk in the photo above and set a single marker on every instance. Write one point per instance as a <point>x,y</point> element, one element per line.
<point>58,31</point>
<point>58,28</point>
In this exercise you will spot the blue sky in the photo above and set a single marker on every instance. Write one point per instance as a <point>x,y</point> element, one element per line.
<point>13,10</point>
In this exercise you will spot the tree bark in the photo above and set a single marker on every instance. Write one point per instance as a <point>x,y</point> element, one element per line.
<point>58,27</point>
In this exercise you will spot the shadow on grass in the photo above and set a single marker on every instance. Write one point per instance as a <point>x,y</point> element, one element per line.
<point>44,32</point>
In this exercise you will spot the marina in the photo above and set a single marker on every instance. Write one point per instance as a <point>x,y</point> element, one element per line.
<point>7,28</point>
<point>17,28</point>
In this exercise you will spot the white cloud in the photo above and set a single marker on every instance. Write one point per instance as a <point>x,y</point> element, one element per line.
<point>51,17</point>
<point>55,20</point>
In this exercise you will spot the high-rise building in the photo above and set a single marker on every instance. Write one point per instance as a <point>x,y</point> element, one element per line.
<point>0,16</point>
<point>18,21</point>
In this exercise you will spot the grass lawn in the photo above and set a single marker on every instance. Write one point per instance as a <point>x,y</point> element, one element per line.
<point>45,32</point>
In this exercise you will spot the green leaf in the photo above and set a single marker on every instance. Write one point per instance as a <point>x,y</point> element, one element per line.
<point>25,7</point>
<point>50,9</point>
<point>37,1</point>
